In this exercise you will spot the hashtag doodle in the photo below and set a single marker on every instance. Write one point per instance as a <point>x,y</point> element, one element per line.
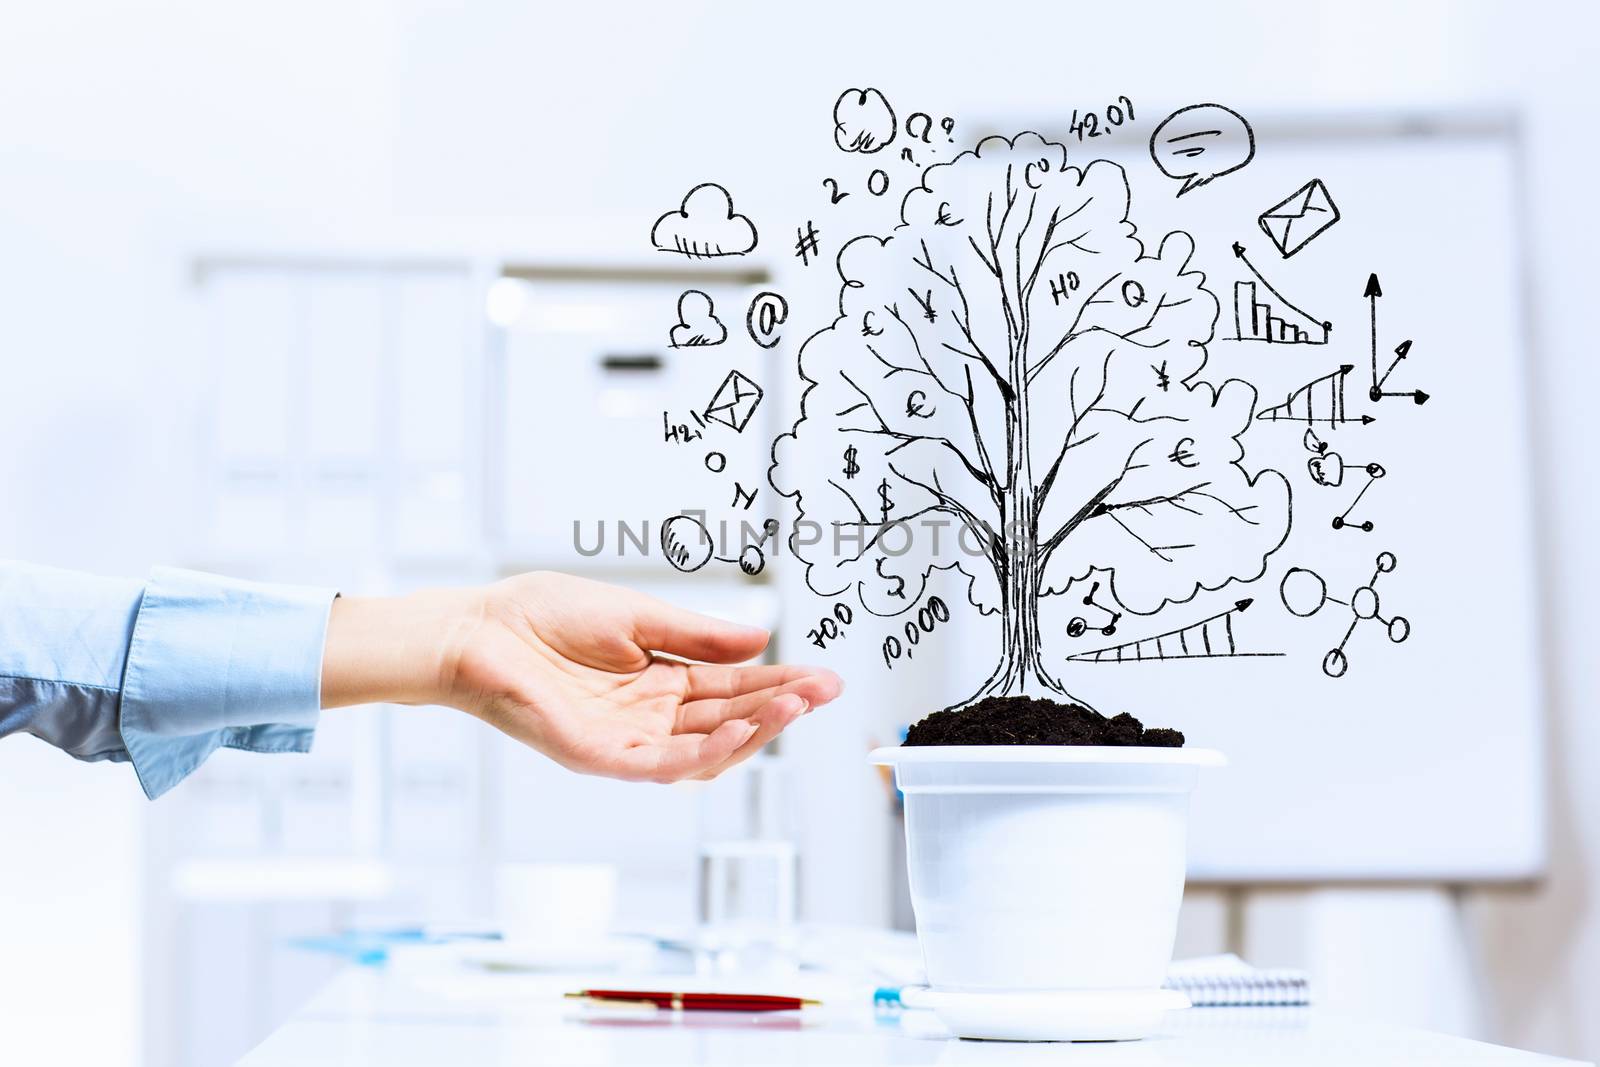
<point>851,468</point>
<point>806,245</point>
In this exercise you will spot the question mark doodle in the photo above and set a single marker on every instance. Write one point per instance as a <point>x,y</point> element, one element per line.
<point>905,154</point>
<point>948,125</point>
<point>927,126</point>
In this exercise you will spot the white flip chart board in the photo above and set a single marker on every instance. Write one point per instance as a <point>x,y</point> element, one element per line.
<point>1392,728</point>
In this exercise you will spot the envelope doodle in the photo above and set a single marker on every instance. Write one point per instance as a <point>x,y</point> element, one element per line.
<point>1301,217</point>
<point>735,402</point>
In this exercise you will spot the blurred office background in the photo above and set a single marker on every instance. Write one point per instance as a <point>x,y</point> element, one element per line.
<point>304,291</point>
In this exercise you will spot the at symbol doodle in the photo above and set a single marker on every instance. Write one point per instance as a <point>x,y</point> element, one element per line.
<point>767,312</point>
<point>917,406</point>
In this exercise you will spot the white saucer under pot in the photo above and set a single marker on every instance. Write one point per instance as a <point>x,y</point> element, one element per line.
<point>1046,882</point>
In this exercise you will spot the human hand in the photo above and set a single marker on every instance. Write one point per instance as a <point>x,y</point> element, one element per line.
<point>577,669</point>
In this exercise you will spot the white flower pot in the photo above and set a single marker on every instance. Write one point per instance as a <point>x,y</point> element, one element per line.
<point>1046,882</point>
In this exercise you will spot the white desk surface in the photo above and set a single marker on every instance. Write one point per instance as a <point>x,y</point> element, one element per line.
<point>396,1018</point>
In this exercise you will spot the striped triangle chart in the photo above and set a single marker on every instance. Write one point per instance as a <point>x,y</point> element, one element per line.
<point>1210,638</point>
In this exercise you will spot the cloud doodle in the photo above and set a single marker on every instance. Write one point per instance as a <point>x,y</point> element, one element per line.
<point>863,121</point>
<point>698,325</point>
<point>706,225</point>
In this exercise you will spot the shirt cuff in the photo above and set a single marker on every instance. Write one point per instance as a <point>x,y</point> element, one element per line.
<point>218,662</point>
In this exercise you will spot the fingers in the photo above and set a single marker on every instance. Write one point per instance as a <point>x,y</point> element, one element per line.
<point>706,682</point>
<point>815,689</point>
<point>684,755</point>
<point>776,717</point>
<point>663,627</point>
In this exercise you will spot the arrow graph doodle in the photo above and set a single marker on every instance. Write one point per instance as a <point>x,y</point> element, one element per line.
<point>1304,593</point>
<point>1372,292</point>
<point>1210,638</point>
<point>1258,320</point>
<point>1319,400</point>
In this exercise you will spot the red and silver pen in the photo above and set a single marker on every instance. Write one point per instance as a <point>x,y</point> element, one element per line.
<point>694,1001</point>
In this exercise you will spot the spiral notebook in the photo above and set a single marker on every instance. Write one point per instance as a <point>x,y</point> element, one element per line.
<point>1228,981</point>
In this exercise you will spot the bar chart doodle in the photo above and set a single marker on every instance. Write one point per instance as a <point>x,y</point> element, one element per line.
<point>1372,292</point>
<point>1300,217</point>
<point>1327,468</point>
<point>1304,593</point>
<point>1320,400</point>
<point>1210,638</point>
<point>1279,322</point>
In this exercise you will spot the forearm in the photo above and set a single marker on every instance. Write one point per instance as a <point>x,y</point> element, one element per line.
<point>393,650</point>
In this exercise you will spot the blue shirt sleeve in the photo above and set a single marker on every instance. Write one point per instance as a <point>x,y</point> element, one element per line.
<point>162,674</point>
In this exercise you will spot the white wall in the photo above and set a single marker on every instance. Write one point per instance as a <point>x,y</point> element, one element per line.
<point>131,138</point>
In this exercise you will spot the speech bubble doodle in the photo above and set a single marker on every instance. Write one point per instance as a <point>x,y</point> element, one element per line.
<point>863,121</point>
<point>1201,143</point>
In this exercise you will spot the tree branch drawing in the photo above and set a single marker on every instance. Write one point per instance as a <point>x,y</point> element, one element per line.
<point>1011,369</point>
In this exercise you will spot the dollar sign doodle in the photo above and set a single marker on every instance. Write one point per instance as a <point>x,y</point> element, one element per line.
<point>899,590</point>
<point>850,466</point>
<point>883,499</point>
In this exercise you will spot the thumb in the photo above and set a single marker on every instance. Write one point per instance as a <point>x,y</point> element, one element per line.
<point>663,627</point>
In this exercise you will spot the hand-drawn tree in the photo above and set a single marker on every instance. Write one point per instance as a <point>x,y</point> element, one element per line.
<point>1011,370</point>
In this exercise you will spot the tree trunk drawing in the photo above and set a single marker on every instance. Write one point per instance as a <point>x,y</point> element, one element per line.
<point>1009,357</point>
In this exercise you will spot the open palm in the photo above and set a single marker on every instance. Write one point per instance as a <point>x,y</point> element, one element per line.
<point>581,671</point>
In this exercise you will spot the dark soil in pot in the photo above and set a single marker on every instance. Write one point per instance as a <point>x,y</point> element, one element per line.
<point>1021,720</point>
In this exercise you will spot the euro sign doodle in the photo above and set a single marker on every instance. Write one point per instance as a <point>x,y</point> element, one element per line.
<point>1182,456</point>
<point>851,467</point>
